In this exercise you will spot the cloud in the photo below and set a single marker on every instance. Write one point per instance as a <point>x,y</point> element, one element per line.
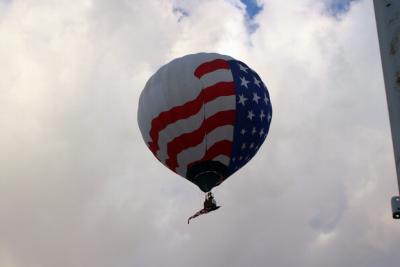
<point>338,7</point>
<point>79,188</point>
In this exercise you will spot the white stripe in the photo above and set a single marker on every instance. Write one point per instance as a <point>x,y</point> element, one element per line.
<point>223,159</point>
<point>219,104</point>
<point>220,133</point>
<point>221,75</point>
<point>196,153</point>
<point>176,129</point>
<point>192,123</point>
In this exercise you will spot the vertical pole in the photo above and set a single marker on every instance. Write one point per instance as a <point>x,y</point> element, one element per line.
<point>387,15</point>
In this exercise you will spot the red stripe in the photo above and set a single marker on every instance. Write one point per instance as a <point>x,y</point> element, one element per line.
<point>186,110</point>
<point>194,138</point>
<point>223,147</point>
<point>220,148</point>
<point>211,66</point>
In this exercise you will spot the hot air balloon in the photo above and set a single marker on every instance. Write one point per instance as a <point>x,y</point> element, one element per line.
<point>204,116</point>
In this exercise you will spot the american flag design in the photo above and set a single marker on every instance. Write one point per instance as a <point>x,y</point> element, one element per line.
<point>204,116</point>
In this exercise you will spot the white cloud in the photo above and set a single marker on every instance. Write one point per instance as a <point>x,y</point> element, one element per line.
<point>79,188</point>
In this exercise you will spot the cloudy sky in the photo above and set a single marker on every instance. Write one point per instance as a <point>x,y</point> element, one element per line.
<point>78,187</point>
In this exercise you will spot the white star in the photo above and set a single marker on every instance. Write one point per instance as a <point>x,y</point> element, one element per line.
<point>269,117</point>
<point>257,82</point>
<point>243,131</point>
<point>261,133</point>
<point>253,131</point>
<point>243,146</point>
<point>240,158</point>
<point>262,115</point>
<point>244,82</point>
<point>266,99</point>
<point>250,115</point>
<point>256,97</point>
<point>233,159</point>
<point>251,145</point>
<point>243,68</point>
<point>242,100</point>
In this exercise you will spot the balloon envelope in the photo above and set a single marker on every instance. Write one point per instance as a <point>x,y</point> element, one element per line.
<point>204,116</point>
